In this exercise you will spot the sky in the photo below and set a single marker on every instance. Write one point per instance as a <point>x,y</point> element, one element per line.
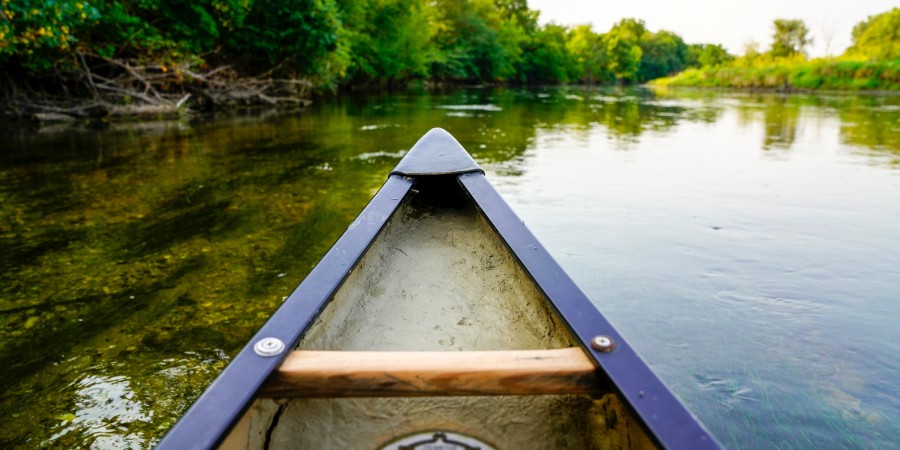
<point>731,23</point>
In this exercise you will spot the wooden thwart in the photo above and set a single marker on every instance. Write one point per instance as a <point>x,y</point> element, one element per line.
<point>390,374</point>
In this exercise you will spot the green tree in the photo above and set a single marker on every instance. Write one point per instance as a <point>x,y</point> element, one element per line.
<point>518,11</point>
<point>164,30</point>
<point>791,38</point>
<point>714,55</point>
<point>546,58</point>
<point>632,30</point>
<point>36,33</point>
<point>623,58</point>
<point>634,54</point>
<point>474,42</point>
<point>293,34</point>
<point>622,45</point>
<point>707,55</point>
<point>587,55</point>
<point>391,40</point>
<point>663,53</point>
<point>878,37</point>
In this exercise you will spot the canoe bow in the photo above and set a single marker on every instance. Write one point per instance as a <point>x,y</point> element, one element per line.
<point>437,154</point>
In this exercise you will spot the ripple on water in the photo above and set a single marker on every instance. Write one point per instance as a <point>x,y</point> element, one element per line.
<point>482,107</point>
<point>382,154</point>
<point>103,408</point>
<point>731,392</point>
<point>379,126</point>
<point>771,304</point>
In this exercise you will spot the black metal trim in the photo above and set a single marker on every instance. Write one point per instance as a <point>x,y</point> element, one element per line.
<point>213,415</point>
<point>667,420</point>
<point>436,153</point>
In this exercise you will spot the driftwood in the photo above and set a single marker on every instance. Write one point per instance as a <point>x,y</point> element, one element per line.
<point>109,86</point>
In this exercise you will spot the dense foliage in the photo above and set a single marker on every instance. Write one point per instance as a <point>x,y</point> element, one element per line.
<point>35,34</point>
<point>871,63</point>
<point>331,43</point>
<point>877,37</point>
<point>159,49</point>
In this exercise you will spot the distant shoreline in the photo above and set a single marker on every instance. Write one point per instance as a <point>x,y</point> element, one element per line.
<point>61,110</point>
<point>772,90</point>
<point>792,76</point>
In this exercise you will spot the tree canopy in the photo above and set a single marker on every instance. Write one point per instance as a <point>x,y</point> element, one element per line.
<point>878,37</point>
<point>791,38</point>
<point>337,42</point>
<point>334,43</point>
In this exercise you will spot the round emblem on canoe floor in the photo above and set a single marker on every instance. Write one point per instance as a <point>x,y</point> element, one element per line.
<point>437,440</point>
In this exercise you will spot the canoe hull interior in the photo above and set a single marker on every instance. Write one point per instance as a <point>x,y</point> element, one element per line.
<point>502,422</point>
<point>438,278</point>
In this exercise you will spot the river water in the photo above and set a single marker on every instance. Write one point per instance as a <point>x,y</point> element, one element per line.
<point>747,245</point>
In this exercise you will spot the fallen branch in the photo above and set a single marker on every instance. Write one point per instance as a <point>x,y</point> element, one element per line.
<point>90,76</point>
<point>183,99</point>
<point>123,86</point>
<point>130,93</point>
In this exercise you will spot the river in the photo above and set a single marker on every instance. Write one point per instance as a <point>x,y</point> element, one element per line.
<point>747,245</point>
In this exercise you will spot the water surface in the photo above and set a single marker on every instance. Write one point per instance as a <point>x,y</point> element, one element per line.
<point>747,245</point>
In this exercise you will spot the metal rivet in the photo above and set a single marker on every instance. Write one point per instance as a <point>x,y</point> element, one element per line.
<point>603,343</point>
<point>269,347</point>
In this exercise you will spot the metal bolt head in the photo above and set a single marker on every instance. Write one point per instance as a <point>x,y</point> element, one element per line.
<point>603,343</point>
<point>268,347</point>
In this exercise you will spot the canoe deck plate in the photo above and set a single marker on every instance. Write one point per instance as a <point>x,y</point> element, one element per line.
<point>437,440</point>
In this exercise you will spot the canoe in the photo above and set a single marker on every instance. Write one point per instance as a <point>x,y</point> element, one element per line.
<point>437,321</point>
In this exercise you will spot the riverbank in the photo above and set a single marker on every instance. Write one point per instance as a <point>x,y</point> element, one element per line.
<point>106,87</point>
<point>79,60</point>
<point>816,75</point>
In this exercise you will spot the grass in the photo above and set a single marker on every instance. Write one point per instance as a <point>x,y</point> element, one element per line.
<point>825,74</point>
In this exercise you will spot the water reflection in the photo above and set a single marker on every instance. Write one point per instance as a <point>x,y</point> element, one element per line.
<point>874,125</point>
<point>138,257</point>
<point>870,122</point>
<point>780,126</point>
